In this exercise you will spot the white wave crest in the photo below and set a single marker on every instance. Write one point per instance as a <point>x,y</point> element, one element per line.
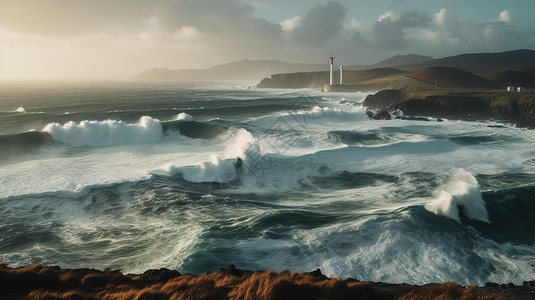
<point>184,117</point>
<point>462,190</point>
<point>215,170</point>
<point>106,133</point>
<point>242,147</point>
<point>20,109</point>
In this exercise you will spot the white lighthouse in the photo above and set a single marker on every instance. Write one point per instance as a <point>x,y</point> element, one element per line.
<point>341,75</point>
<point>331,75</point>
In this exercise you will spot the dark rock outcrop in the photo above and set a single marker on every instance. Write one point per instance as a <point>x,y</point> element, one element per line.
<point>450,107</point>
<point>412,118</point>
<point>382,115</point>
<point>161,275</point>
<point>385,99</point>
<point>518,108</point>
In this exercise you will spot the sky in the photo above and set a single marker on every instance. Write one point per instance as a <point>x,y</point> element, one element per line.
<point>117,39</point>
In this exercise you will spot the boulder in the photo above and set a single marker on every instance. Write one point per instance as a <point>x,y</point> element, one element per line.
<point>382,115</point>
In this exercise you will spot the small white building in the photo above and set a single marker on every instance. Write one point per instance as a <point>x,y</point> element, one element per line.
<point>520,89</point>
<point>511,89</point>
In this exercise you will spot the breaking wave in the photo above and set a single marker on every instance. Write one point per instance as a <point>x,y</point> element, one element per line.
<point>241,150</point>
<point>106,133</point>
<point>461,191</point>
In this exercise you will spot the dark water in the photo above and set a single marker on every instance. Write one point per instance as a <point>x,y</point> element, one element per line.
<point>193,177</point>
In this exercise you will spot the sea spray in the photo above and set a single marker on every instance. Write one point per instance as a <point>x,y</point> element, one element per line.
<point>106,133</point>
<point>462,190</point>
<point>302,200</point>
<point>242,145</point>
<point>242,149</point>
<point>184,117</point>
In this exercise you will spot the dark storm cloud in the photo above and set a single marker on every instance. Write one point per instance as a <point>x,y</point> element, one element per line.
<point>410,19</point>
<point>497,34</point>
<point>389,34</point>
<point>386,34</point>
<point>321,23</point>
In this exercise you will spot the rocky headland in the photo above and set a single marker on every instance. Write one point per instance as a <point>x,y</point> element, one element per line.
<point>486,86</point>
<point>41,282</point>
<point>509,107</point>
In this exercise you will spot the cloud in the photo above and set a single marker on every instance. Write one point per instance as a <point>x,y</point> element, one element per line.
<point>506,16</point>
<point>504,32</point>
<point>320,24</point>
<point>64,17</point>
<point>387,15</point>
<point>389,32</point>
<point>187,32</point>
<point>386,34</point>
<point>290,24</point>
<point>123,37</point>
<point>415,19</point>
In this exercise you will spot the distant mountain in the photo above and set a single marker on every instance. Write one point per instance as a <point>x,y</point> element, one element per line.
<point>258,69</point>
<point>369,74</point>
<point>402,60</point>
<point>479,63</point>
<point>393,62</point>
<point>530,69</point>
<point>448,77</point>
<point>512,78</point>
<point>239,70</point>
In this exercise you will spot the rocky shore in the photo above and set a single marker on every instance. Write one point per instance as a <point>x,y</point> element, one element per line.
<point>509,107</point>
<point>40,282</point>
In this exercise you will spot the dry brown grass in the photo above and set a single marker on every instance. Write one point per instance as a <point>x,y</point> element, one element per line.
<point>38,282</point>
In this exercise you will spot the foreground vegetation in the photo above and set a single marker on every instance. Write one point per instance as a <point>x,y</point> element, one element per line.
<point>39,282</point>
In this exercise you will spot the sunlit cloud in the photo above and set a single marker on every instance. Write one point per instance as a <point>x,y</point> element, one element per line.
<point>506,16</point>
<point>290,24</point>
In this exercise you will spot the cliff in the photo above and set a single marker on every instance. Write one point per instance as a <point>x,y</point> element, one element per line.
<point>38,282</point>
<point>362,80</point>
<point>296,80</point>
<point>518,108</point>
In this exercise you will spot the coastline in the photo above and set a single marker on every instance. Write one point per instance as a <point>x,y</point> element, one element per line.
<point>507,107</point>
<point>42,282</point>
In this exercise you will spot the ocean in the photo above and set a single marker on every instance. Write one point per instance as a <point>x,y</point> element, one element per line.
<point>196,176</point>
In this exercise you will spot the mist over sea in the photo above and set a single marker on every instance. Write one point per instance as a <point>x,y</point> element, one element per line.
<point>196,176</point>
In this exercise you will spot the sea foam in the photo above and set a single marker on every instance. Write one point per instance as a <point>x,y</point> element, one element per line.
<point>224,167</point>
<point>184,117</point>
<point>461,191</point>
<point>106,133</point>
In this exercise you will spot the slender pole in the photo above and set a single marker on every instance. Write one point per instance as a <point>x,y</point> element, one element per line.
<point>331,72</point>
